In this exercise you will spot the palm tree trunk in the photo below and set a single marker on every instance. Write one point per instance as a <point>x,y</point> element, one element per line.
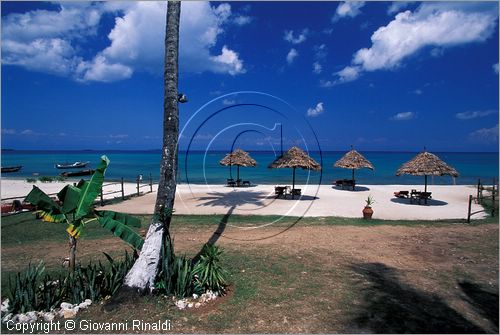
<point>144,270</point>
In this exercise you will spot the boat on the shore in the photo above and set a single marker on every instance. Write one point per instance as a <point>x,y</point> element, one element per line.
<point>75,165</point>
<point>8,169</point>
<point>86,172</point>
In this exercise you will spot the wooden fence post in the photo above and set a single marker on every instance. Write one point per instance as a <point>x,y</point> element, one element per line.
<point>478,187</point>
<point>493,198</point>
<point>469,210</point>
<point>137,185</point>
<point>123,191</point>
<point>150,183</point>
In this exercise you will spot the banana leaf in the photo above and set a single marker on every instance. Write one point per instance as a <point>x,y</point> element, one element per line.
<point>70,196</point>
<point>123,218</point>
<point>122,231</point>
<point>90,190</point>
<point>51,217</point>
<point>42,201</point>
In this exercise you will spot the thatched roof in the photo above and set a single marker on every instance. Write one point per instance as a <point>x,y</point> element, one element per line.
<point>353,160</point>
<point>295,158</point>
<point>426,164</point>
<point>238,157</point>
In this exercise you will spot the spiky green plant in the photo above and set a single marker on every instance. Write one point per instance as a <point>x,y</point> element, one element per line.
<point>208,271</point>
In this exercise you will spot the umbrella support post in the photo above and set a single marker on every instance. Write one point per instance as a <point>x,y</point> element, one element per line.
<point>293,184</point>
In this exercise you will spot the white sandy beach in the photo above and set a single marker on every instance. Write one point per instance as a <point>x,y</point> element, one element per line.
<point>448,202</point>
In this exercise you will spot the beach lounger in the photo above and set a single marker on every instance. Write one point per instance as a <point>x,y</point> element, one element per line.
<point>296,191</point>
<point>402,194</point>
<point>279,190</point>
<point>246,182</point>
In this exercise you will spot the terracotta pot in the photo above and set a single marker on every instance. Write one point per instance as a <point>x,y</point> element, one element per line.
<point>367,213</point>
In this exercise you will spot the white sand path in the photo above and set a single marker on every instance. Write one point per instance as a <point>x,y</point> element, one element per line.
<point>448,202</point>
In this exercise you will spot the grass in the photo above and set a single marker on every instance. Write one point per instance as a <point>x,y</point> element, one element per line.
<point>408,280</point>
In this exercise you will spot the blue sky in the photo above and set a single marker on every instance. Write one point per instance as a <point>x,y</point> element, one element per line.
<point>390,76</point>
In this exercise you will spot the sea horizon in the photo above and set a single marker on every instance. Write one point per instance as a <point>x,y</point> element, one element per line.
<point>200,167</point>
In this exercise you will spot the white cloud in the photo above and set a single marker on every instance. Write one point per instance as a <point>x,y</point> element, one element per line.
<point>292,54</point>
<point>326,83</point>
<point>437,25</point>
<point>348,9</point>
<point>418,91</point>
<point>349,73</point>
<point>7,131</point>
<point>404,116</point>
<point>289,36</point>
<point>495,68</point>
<point>474,114</point>
<point>241,20</point>
<point>317,68</point>
<point>50,41</point>
<point>396,6</point>
<point>485,135</point>
<point>315,111</point>
<point>118,136</point>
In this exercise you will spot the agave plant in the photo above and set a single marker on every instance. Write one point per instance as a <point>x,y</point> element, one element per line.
<point>76,210</point>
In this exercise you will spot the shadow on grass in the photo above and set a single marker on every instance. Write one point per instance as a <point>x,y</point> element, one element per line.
<point>349,189</point>
<point>391,306</point>
<point>484,302</point>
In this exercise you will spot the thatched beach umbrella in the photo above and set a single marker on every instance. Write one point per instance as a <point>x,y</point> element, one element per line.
<point>426,164</point>
<point>295,158</point>
<point>239,158</point>
<point>353,160</point>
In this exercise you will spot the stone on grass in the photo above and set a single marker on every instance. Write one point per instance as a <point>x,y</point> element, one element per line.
<point>69,313</point>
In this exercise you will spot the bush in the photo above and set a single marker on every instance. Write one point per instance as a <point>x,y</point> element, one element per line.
<point>31,180</point>
<point>28,291</point>
<point>208,272</point>
<point>46,179</point>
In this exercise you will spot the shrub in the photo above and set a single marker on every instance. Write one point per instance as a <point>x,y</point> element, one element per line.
<point>31,180</point>
<point>28,291</point>
<point>46,179</point>
<point>208,272</point>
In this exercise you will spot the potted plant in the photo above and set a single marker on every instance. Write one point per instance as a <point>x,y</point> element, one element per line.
<point>368,211</point>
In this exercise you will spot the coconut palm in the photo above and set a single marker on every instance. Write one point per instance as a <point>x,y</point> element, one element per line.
<point>142,274</point>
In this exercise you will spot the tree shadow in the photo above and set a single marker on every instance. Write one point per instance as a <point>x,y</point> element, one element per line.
<point>298,197</point>
<point>233,199</point>
<point>356,188</point>
<point>430,202</point>
<point>391,306</point>
<point>217,233</point>
<point>484,302</point>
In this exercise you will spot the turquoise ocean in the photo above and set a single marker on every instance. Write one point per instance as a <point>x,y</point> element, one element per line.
<point>199,167</point>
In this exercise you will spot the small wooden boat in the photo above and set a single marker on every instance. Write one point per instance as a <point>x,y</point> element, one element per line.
<point>8,169</point>
<point>87,172</point>
<point>75,165</point>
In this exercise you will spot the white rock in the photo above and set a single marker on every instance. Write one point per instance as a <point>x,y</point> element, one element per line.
<point>69,313</point>
<point>197,305</point>
<point>190,305</point>
<point>181,304</point>
<point>23,318</point>
<point>66,305</point>
<point>32,316</point>
<point>5,306</point>
<point>88,302</point>
<point>195,296</point>
<point>48,316</point>
<point>7,318</point>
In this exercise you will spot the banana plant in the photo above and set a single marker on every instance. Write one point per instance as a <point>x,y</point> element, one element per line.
<point>76,210</point>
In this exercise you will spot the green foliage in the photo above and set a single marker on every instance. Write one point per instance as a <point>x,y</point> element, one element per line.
<point>208,272</point>
<point>77,208</point>
<point>31,180</point>
<point>46,179</point>
<point>369,201</point>
<point>29,291</point>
